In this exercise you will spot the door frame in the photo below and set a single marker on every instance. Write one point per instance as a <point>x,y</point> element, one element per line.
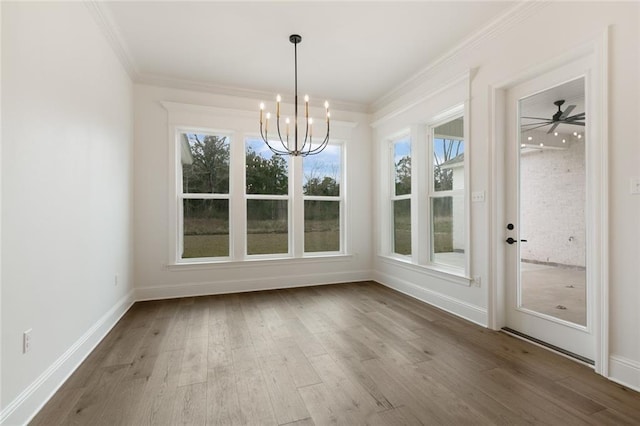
<point>597,184</point>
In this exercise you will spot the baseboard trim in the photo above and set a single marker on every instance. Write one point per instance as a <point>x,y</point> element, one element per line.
<point>246,285</point>
<point>450,304</point>
<point>26,405</point>
<point>625,372</point>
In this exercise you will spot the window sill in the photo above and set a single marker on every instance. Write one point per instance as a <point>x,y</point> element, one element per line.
<point>257,262</point>
<point>452,275</point>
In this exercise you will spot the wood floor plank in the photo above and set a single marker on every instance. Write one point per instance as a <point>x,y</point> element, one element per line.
<point>297,363</point>
<point>350,394</point>
<point>222,397</point>
<point>158,398</point>
<point>351,354</point>
<point>190,405</point>
<point>401,416</point>
<point>123,405</point>
<point>285,399</point>
<point>253,396</point>
<point>57,410</point>
<point>90,405</point>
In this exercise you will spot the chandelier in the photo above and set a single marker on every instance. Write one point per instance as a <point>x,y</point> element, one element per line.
<point>294,147</point>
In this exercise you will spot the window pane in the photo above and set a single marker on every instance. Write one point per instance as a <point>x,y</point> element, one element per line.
<point>205,163</point>
<point>447,223</point>
<point>402,166</point>
<point>267,173</point>
<point>206,228</point>
<point>267,227</point>
<point>402,226</point>
<point>322,172</point>
<point>321,226</point>
<point>448,156</point>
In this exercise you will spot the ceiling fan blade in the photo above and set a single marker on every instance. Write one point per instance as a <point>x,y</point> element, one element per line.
<point>576,117</point>
<point>574,123</point>
<point>536,118</point>
<point>533,128</point>
<point>553,127</point>
<point>544,123</point>
<point>567,112</point>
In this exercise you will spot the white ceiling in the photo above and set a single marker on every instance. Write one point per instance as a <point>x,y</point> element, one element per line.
<point>352,52</point>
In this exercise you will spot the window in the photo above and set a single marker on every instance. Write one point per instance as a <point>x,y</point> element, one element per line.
<point>447,194</point>
<point>267,195</point>
<point>322,200</point>
<point>204,195</point>
<point>236,201</point>
<point>401,196</point>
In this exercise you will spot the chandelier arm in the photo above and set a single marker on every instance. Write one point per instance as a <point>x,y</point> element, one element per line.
<point>275,150</point>
<point>322,146</point>
<point>265,138</point>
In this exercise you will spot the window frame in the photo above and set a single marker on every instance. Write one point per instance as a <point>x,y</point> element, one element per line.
<point>180,195</point>
<point>268,197</point>
<point>399,138</point>
<point>460,111</point>
<point>340,199</point>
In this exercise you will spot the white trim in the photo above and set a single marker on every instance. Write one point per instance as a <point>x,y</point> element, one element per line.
<point>179,107</point>
<point>601,322</point>
<point>111,33</point>
<point>473,313</point>
<point>496,298</point>
<point>435,270</point>
<point>251,284</point>
<point>624,371</point>
<point>31,400</point>
<point>465,76</point>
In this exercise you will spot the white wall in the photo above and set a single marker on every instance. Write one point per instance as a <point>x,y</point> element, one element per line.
<point>552,203</point>
<point>530,39</point>
<point>155,276</point>
<point>67,134</point>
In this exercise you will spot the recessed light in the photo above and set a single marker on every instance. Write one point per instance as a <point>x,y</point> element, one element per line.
<point>555,133</point>
<point>579,136</point>
<point>541,144</point>
<point>530,138</point>
<point>564,141</point>
<point>575,133</point>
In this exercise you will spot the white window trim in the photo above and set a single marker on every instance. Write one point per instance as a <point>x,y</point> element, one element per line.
<point>177,225</point>
<point>391,164</point>
<point>448,115</point>
<point>340,199</point>
<point>420,136</point>
<point>196,118</point>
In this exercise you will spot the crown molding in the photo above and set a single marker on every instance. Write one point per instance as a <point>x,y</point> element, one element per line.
<point>519,12</point>
<point>106,24</point>
<point>217,89</point>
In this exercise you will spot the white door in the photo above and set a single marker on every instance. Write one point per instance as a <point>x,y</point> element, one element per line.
<point>549,291</point>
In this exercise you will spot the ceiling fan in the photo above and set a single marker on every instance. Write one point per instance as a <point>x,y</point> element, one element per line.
<point>560,117</point>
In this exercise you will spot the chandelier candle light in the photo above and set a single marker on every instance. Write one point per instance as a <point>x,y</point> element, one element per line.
<point>298,149</point>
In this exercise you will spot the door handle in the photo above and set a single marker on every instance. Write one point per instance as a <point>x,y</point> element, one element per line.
<point>511,241</point>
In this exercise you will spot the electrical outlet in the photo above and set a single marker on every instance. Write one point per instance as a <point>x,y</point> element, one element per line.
<point>26,341</point>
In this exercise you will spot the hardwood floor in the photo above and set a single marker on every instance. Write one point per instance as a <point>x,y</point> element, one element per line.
<point>346,354</point>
